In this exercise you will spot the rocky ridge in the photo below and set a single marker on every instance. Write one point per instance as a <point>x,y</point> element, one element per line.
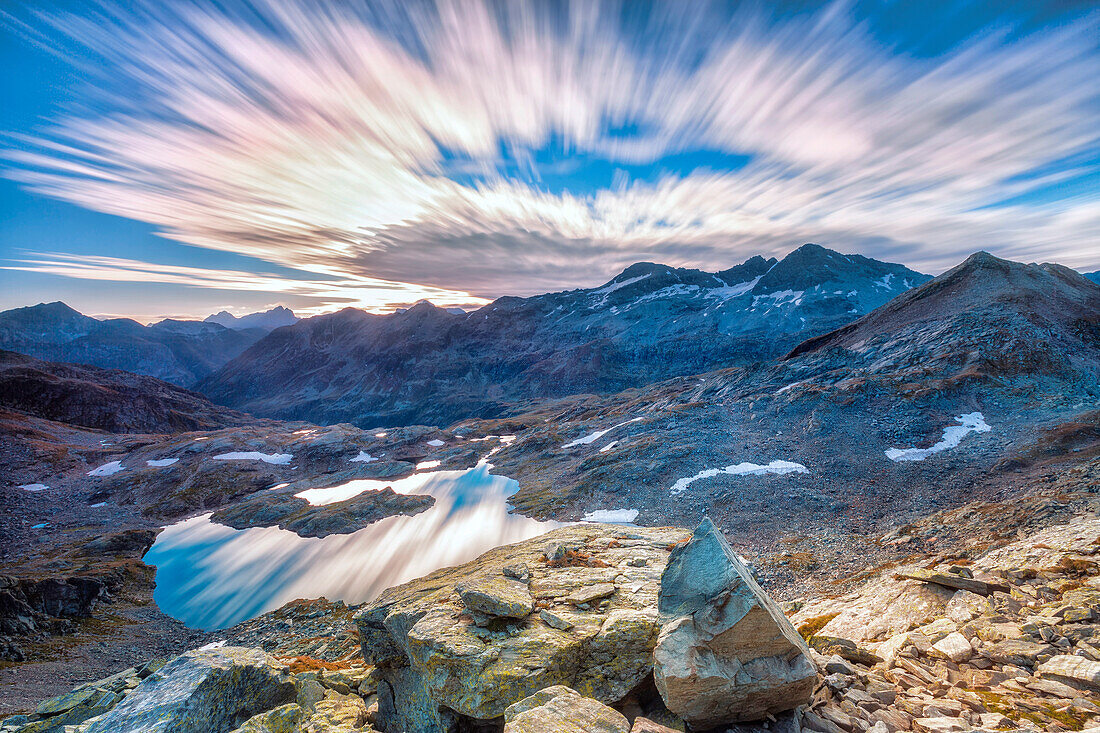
<point>650,322</point>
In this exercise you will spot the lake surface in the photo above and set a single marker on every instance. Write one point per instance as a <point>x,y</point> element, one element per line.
<point>210,576</point>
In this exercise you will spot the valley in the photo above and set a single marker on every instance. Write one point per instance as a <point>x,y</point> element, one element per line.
<point>944,422</point>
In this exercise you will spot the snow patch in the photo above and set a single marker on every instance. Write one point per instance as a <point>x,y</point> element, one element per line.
<point>98,505</point>
<point>34,487</point>
<point>739,469</point>
<point>363,457</point>
<point>107,469</point>
<point>592,437</point>
<point>40,526</point>
<point>611,516</point>
<point>161,462</point>
<point>971,422</point>
<point>435,443</point>
<point>276,459</point>
<point>609,446</point>
<point>608,289</point>
<point>425,465</point>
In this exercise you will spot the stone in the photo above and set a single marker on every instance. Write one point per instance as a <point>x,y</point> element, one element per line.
<point>283,719</point>
<point>645,725</point>
<point>1018,652</point>
<point>554,620</point>
<point>950,580</point>
<point>337,711</point>
<point>941,724</point>
<point>590,593</point>
<point>497,596</point>
<point>437,666</point>
<point>559,709</point>
<point>954,646</point>
<point>310,691</point>
<point>726,652</point>
<point>1074,669</point>
<point>203,690</point>
<point>519,571</point>
<point>68,701</point>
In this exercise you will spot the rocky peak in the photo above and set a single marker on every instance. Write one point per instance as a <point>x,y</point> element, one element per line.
<point>813,265</point>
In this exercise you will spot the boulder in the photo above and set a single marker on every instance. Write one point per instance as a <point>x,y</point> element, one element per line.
<point>726,652</point>
<point>206,690</point>
<point>438,663</point>
<point>497,596</point>
<point>559,709</point>
<point>1076,670</point>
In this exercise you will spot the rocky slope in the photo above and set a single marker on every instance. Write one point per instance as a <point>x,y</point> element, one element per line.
<point>106,399</point>
<point>180,352</point>
<point>913,408</point>
<point>616,629</point>
<point>427,365</point>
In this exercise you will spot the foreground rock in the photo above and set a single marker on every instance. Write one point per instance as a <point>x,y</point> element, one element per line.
<point>922,656</point>
<point>559,709</point>
<point>201,691</point>
<point>450,646</point>
<point>726,652</point>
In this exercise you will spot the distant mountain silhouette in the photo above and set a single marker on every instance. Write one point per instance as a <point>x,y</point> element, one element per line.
<point>180,352</point>
<point>268,320</point>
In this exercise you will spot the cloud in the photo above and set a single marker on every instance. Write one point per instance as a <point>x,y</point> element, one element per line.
<point>319,138</point>
<point>372,294</point>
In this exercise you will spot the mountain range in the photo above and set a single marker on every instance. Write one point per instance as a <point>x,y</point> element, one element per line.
<point>650,322</point>
<point>267,320</point>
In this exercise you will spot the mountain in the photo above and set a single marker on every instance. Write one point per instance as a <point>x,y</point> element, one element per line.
<point>105,399</point>
<point>986,316</point>
<point>650,322</point>
<point>268,320</point>
<point>940,396</point>
<point>180,352</point>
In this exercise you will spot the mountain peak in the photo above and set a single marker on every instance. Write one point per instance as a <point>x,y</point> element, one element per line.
<point>267,320</point>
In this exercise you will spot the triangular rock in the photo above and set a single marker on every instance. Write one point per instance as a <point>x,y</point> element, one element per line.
<point>726,652</point>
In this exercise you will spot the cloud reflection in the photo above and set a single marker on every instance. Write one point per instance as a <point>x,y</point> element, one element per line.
<point>211,576</point>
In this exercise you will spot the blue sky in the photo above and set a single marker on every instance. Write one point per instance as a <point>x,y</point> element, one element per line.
<point>177,159</point>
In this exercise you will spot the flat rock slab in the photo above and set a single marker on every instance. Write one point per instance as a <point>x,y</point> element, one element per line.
<point>559,709</point>
<point>950,580</point>
<point>435,656</point>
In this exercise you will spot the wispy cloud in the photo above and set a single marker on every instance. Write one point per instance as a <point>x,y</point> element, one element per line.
<point>370,293</point>
<point>317,137</point>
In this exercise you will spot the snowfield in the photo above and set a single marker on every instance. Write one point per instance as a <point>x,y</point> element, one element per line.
<point>739,469</point>
<point>161,462</point>
<point>107,469</point>
<point>593,437</point>
<point>276,459</point>
<point>34,487</point>
<point>611,516</point>
<point>363,457</point>
<point>971,422</point>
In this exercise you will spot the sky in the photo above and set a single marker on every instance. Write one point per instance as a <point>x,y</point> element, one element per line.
<point>180,158</point>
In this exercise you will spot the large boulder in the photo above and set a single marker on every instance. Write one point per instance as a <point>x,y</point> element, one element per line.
<point>559,709</point>
<point>465,642</point>
<point>208,690</point>
<point>726,652</point>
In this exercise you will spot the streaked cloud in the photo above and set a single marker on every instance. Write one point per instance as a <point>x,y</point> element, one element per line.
<point>329,140</point>
<point>369,293</point>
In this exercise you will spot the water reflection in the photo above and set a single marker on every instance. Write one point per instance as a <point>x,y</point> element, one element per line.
<point>210,576</point>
